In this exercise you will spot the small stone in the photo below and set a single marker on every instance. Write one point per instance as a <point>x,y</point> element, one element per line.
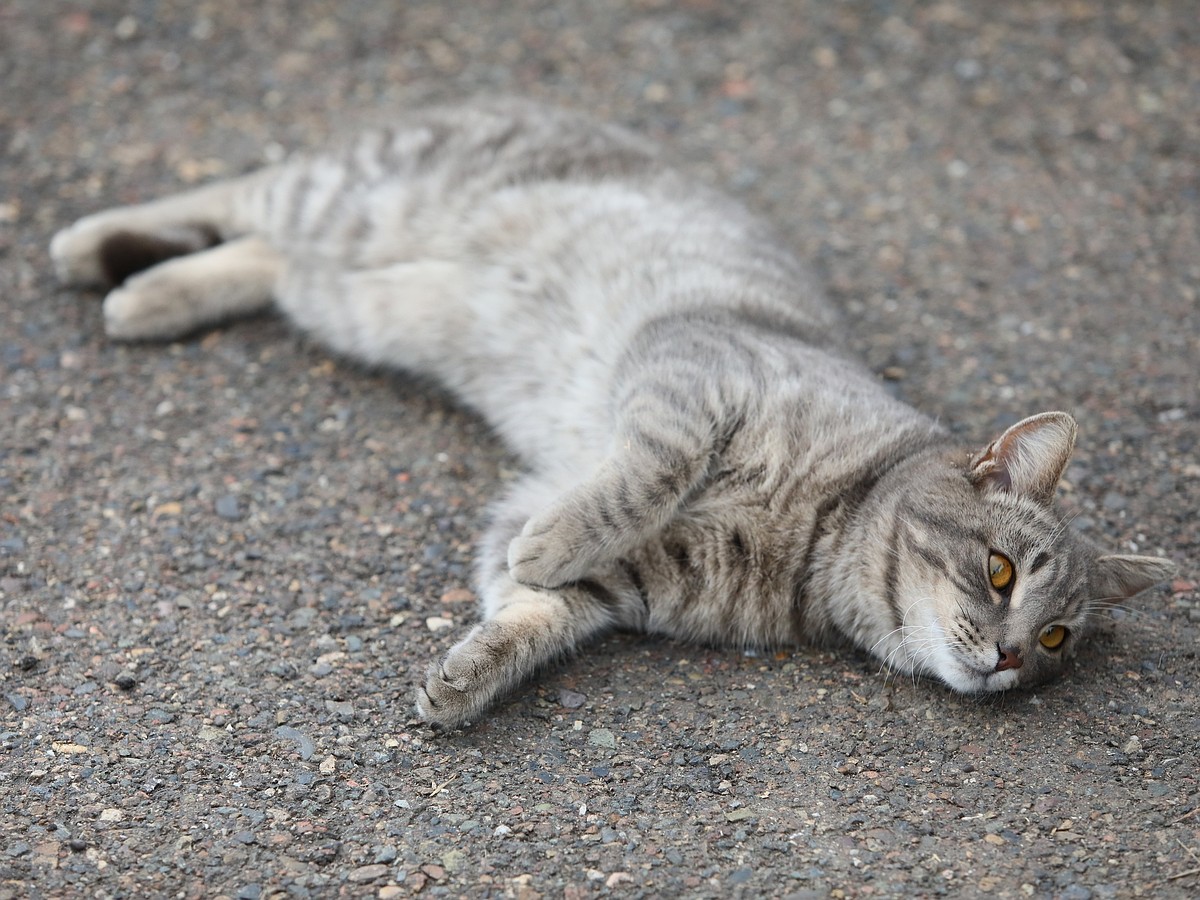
<point>740,876</point>
<point>328,765</point>
<point>602,737</point>
<point>1133,745</point>
<point>366,873</point>
<point>126,28</point>
<point>386,855</point>
<point>341,708</point>
<point>77,845</point>
<point>617,878</point>
<point>304,745</point>
<point>437,873</point>
<point>439,623</point>
<point>126,680</point>
<point>112,814</point>
<point>738,815</point>
<point>454,861</point>
<point>228,507</point>
<point>212,733</point>
<point>571,699</point>
<point>249,892</point>
<point>19,703</point>
<point>390,892</point>
<point>171,508</point>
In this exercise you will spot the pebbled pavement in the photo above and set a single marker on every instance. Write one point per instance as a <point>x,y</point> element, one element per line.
<point>225,562</point>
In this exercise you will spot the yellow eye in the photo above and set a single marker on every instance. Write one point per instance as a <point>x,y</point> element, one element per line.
<point>1052,637</point>
<point>1000,571</point>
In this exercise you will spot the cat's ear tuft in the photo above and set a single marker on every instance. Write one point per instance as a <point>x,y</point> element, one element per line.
<point>1029,458</point>
<point>1118,577</point>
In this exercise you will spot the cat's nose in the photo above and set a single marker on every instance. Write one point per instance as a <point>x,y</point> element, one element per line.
<point>1010,658</point>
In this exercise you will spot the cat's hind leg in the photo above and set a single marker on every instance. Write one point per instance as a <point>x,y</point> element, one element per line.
<point>178,296</point>
<point>107,247</point>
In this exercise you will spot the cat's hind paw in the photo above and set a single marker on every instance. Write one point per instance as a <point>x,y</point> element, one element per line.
<point>108,247</point>
<point>147,308</point>
<point>75,253</point>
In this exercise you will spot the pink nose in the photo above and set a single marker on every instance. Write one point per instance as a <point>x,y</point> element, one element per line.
<point>1010,658</point>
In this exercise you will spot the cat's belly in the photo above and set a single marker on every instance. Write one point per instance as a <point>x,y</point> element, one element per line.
<point>714,585</point>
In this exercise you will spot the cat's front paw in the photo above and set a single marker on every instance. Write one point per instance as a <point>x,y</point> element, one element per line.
<point>458,688</point>
<point>549,552</point>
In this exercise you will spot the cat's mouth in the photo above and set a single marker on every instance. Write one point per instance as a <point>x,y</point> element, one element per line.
<point>970,679</point>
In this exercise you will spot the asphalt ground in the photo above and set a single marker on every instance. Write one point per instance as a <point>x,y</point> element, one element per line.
<point>226,562</point>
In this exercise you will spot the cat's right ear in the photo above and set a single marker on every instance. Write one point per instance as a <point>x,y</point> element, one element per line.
<point>1029,458</point>
<point>1120,577</point>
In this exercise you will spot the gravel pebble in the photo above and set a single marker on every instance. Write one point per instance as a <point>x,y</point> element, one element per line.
<point>228,507</point>
<point>304,744</point>
<point>367,873</point>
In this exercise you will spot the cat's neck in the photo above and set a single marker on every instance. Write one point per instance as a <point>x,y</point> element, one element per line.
<point>849,585</point>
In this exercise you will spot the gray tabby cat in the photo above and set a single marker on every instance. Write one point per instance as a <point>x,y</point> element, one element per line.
<point>704,460</point>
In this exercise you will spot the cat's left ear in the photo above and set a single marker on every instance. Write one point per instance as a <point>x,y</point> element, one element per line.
<point>1029,458</point>
<point>1118,577</point>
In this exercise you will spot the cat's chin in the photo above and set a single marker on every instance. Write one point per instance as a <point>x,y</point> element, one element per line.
<point>966,679</point>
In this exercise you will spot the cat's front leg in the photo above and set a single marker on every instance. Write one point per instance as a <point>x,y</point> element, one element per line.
<point>524,629</point>
<point>635,493</point>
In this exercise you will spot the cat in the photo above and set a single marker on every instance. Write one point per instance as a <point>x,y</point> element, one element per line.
<point>705,459</point>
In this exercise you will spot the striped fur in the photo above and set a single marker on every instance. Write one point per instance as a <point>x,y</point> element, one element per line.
<point>704,460</point>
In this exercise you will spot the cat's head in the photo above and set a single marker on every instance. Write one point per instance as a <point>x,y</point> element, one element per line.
<point>1000,590</point>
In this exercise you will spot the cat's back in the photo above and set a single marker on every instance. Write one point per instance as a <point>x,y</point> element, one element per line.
<point>517,253</point>
<point>535,191</point>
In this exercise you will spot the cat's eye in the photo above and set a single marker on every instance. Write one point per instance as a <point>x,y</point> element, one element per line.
<point>1000,570</point>
<point>1052,636</point>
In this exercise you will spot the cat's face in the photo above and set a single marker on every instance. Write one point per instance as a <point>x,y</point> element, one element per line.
<point>997,591</point>
<point>1007,592</point>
